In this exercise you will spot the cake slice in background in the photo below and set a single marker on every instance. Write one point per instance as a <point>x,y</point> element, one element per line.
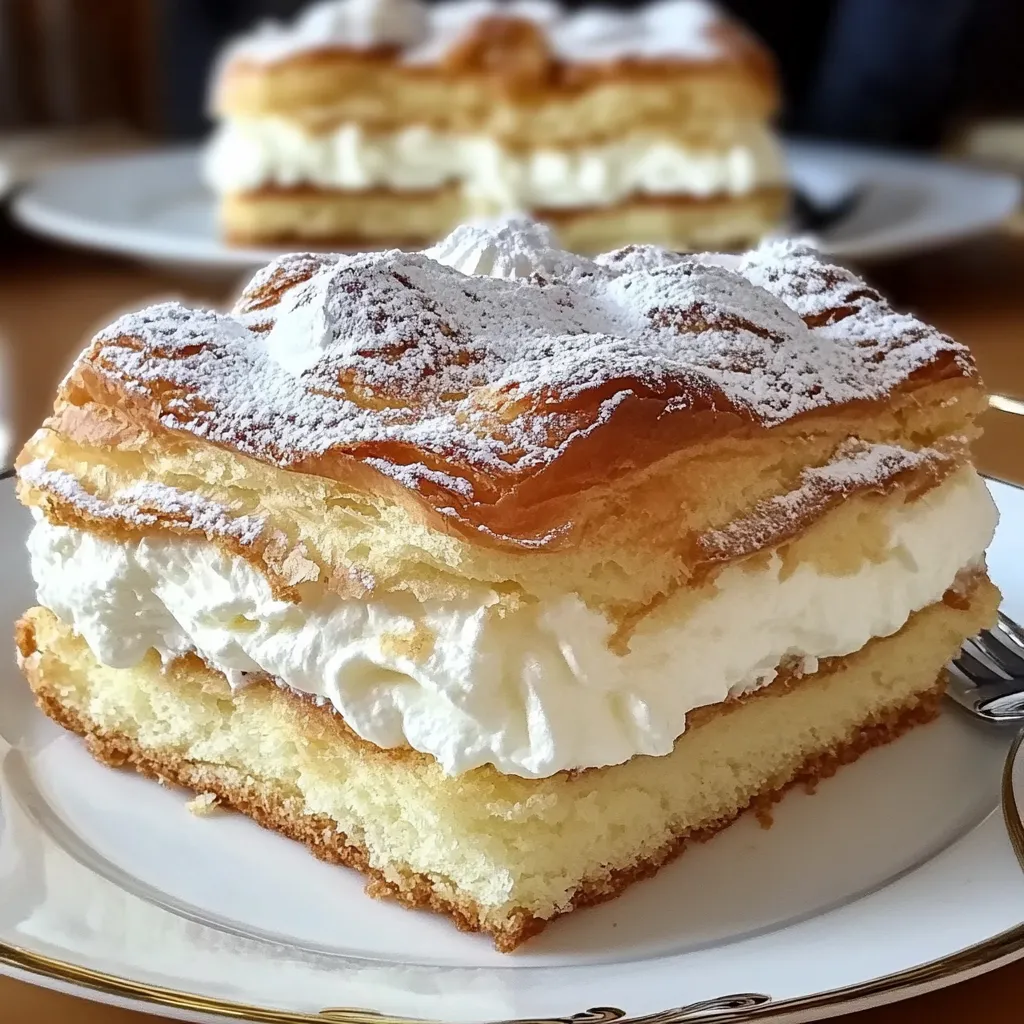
<point>391,121</point>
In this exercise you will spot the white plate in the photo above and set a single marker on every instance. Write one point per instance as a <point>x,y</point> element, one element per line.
<point>896,877</point>
<point>153,206</point>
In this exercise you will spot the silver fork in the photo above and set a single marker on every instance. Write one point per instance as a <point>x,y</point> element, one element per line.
<point>987,677</point>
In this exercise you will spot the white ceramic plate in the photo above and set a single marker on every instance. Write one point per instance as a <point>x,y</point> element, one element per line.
<point>154,207</point>
<point>896,877</point>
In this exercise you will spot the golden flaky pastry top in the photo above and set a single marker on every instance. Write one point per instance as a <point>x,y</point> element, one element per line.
<point>491,403</point>
<point>527,72</point>
<point>424,34</point>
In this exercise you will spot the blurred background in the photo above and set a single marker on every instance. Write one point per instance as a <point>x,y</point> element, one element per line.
<point>80,77</point>
<point>911,73</point>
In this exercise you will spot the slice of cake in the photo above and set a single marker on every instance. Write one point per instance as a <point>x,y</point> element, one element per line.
<point>391,121</point>
<point>501,589</point>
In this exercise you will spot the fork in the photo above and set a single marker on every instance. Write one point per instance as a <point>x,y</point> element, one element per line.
<point>987,677</point>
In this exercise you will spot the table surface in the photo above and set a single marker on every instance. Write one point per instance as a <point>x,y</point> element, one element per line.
<point>52,299</point>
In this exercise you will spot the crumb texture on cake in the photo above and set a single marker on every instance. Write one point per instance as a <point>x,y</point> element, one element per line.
<point>506,855</point>
<point>499,572</point>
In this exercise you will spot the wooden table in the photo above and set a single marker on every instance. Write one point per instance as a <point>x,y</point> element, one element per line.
<point>51,299</point>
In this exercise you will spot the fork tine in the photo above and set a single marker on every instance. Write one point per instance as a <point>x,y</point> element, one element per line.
<point>996,702</point>
<point>1007,707</point>
<point>960,686</point>
<point>987,677</point>
<point>1008,627</point>
<point>1004,650</point>
<point>978,663</point>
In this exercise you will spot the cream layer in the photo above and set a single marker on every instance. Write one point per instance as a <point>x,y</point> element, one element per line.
<point>533,690</point>
<point>250,154</point>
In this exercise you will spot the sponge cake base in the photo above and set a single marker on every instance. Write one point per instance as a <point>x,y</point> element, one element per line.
<point>325,217</point>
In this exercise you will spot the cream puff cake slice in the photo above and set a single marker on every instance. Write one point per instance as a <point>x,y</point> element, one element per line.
<point>501,574</point>
<point>391,121</point>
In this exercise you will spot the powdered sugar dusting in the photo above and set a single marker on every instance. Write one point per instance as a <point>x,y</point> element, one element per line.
<point>509,247</point>
<point>639,257</point>
<point>664,29</point>
<point>460,387</point>
<point>349,24</point>
<point>413,474</point>
<point>147,504</point>
<point>425,33</point>
<point>794,272</point>
<point>854,467</point>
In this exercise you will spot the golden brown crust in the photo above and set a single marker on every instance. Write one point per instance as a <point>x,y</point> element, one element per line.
<point>320,97</point>
<point>722,223</point>
<point>341,220</point>
<point>554,213</point>
<point>514,54</point>
<point>784,521</point>
<point>495,76</point>
<point>771,196</point>
<point>432,421</point>
<point>269,806</point>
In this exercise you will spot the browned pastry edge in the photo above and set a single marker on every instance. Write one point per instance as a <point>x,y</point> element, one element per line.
<point>334,243</point>
<point>767,194</point>
<point>770,197</point>
<point>545,213</point>
<point>511,57</point>
<point>237,240</point>
<point>306,191</point>
<point>567,457</point>
<point>96,411</point>
<point>704,554</point>
<point>266,804</point>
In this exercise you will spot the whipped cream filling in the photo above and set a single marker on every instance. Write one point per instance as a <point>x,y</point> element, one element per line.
<point>249,154</point>
<point>533,690</point>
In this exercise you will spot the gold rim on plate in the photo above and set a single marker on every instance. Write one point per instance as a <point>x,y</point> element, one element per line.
<point>728,1009</point>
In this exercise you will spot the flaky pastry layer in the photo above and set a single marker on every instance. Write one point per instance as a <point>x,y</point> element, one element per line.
<point>500,77</point>
<point>681,223</point>
<point>321,93</point>
<point>305,532</point>
<point>341,218</point>
<point>522,414</point>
